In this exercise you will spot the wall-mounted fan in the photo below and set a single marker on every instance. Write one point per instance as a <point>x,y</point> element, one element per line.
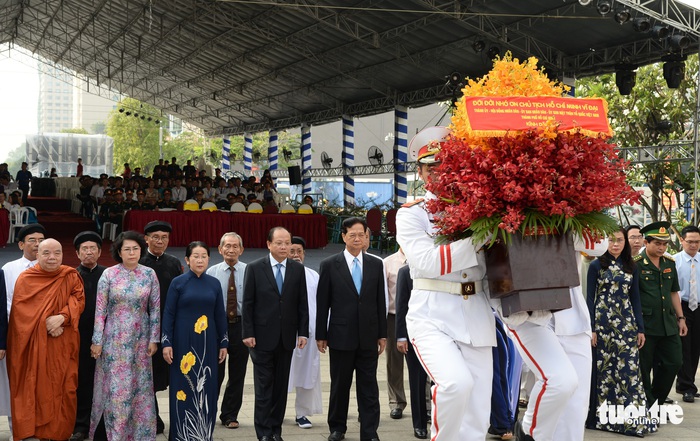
<point>375,156</point>
<point>326,160</point>
<point>287,154</point>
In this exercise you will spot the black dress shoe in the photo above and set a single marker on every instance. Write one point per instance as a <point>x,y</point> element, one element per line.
<point>689,397</point>
<point>336,436</point>
<point>77,436</point>
<point>396,414</point>
<point>276,437</point>
<point>266,438</point>
<point>420,433</point>
<point>520,434</point>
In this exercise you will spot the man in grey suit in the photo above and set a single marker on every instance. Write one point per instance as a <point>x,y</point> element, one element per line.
<point>351,290</point>
<point>230,274</point>
<point>275,311</point>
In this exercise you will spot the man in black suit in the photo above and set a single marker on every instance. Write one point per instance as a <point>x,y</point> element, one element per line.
<point>352,287</point>
<point>275,311</point>
<point>417,377</point>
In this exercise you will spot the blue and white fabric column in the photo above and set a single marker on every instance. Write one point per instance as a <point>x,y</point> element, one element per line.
<point>272,151</point>
<point>248,152</point>
<point>348,160</point>
<point>400,154</point>
<point>305,158</point>
<point>225,162</point>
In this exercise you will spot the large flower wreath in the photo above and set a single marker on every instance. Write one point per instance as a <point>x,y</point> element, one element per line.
<point>545,179</point>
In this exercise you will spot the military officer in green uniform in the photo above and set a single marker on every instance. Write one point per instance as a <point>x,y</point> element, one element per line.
<point>663,315</point>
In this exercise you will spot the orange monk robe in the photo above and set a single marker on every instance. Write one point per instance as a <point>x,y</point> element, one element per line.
<point>43,370</point>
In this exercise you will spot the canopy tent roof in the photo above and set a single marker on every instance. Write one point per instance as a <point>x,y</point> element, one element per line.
<point>235,66</point>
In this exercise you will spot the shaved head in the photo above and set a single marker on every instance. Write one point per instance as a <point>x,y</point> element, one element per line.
<point>50,255</point>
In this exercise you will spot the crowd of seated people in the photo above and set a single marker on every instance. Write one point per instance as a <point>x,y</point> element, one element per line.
<point>169,187</point>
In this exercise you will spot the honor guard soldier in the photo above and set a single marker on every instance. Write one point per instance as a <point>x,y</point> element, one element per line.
<point>449,318</point>
<point>664,322</point>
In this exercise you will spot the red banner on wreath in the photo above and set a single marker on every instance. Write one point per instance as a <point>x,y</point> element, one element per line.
<point>496,116</point>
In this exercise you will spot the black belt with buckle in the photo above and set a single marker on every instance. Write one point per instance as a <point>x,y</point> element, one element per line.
<point>468,289</point>
<point>236,319</point>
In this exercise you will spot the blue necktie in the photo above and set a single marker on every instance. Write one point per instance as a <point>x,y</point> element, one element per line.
<point>278,277</point>
<point>357,275</point>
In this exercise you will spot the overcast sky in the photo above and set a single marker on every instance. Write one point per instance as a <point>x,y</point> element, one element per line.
<point>19,90</point>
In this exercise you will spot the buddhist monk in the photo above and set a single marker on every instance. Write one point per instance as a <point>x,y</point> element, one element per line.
<point>42,346</point>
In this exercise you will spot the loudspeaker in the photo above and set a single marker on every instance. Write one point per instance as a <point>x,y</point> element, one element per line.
<point>294,175</point>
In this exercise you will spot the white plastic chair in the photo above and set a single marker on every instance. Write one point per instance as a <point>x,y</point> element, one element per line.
<point>109,231</point>
<point>209,206</point>
<point>237,207</point>
<point>19,217</point>
<point>287,209</point>
<point>305,209</point>
<point>255,208</point>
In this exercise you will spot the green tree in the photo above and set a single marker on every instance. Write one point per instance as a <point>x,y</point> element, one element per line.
<point>16,157</point>
<point>635,121</point>
<point>98,128</point>
<point>136,140</point>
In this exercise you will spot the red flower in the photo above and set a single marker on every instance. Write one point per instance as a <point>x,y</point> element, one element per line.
<point>508,176</point>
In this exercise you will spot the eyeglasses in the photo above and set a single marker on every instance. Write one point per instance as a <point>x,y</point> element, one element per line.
<point>34,240</point>
<point>159,238</point>
<point>639,237</point>
<point>692,242</point>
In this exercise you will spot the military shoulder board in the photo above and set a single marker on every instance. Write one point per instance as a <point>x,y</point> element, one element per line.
<point>411,204</point>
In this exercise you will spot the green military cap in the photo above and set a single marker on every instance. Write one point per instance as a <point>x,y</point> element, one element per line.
<point>657,230</point>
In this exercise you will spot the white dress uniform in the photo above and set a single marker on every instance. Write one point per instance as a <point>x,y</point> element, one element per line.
<point>557,349</point>
<point>452,335</point>
<point>12,271</point>
<point>305,372</point>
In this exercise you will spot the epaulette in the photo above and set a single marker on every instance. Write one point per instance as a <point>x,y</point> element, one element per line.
<point>669,257</point>
<point>411,204</point>
<point>637,257</point>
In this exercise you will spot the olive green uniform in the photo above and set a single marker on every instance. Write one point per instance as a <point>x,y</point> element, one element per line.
<point>662,350</point>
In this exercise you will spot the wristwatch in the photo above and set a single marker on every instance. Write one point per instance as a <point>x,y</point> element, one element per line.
<point>680,318</point>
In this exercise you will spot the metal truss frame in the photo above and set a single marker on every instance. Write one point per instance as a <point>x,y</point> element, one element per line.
<point>360,170</point>
<point>133,47</point>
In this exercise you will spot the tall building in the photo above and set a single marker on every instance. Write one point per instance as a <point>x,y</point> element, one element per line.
<point>64,104</point>
<point>55,106</point>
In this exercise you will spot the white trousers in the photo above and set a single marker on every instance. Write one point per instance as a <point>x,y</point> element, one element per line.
<point>557,380</point>
<point>309,401</point>
<point>572,423</point>
<point>461,395</point>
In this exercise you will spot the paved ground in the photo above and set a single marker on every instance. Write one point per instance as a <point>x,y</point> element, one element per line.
<point>389,430</point>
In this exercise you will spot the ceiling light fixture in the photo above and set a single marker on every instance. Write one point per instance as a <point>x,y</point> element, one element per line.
<point>604,7</point>
<point>641,24</point>
<point>679,41</point>
<point>660,31</point>
<point>674,72</point>
<point>625,79</point>
<point>623,15</point>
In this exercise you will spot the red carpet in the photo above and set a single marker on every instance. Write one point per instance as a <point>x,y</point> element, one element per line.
<point>49,204</point>
<point>63,226</point>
